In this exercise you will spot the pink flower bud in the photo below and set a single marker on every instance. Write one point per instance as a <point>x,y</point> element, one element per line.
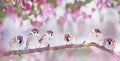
<point>93,9</point>
<point>100,4</point>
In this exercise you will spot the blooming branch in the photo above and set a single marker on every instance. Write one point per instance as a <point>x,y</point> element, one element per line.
<point>19,52</point>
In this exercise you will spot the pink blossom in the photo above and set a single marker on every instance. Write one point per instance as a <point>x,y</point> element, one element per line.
<point>19,15</point>
<point>9,9</point>
<point>63,19</point>
<point>4,9</point>
<point>75,14</point>
<point>27,7</point>
<point>13,8</point>
<point>100,4</point>
<point>38,14</point>
<point>85,15</point>
<point>89,16</point>
<point>36,23</point>
<point>108,2</point>
<point>13,2</point>
<point>48,10</point>
<point>93,9</point>
<point>118,5</point>
<point>48,13</point>
<point>32,0</point>
<point>59,2</point>
<point>41,1</point>
<point>19,1</point>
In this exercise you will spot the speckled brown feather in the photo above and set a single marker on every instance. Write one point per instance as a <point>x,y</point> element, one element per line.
<point>42,38</point>
<point>12,41</point>
<point>29,39</point>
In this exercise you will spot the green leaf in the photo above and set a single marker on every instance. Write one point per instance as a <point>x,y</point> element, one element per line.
<point>38,8</point>
<point>119,12</point>
<point>2,16</point>
<point>24,17</point>
<point>51,2</point>
<point>1,6</point>
<point>77,5</point>
<point>89,1</point>
<point>19,10</point>
<point>9,2</point>
<point>32,12</point>
<point>17,4</point>
<point>71,6</point>
<point>116,0</point>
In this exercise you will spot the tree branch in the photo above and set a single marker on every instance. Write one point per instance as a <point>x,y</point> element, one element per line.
<point>19,52</point>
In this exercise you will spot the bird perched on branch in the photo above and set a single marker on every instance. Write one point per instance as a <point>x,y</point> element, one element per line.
<point>96,36</point>
<point>33,39</point>
<point>45,39</point>
<point>69,38</point>
<point>109,43</point>
<point>16,42</point>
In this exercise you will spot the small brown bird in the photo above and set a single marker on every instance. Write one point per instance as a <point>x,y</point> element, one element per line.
<point>96,36</point>
<point>33,39</point>
<point>47,36</point>
<point>16,42</point>
<point>69,38</point>
<point>109,43</point>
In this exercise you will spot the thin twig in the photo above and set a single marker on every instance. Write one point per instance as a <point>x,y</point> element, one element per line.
<point>40,49</point>
<point>17,52</point>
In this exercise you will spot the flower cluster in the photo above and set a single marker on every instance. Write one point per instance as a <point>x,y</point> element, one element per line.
<point>40,10</point>
<point>76,17</point>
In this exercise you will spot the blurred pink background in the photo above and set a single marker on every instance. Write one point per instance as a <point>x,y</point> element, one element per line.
<point>61,16</point>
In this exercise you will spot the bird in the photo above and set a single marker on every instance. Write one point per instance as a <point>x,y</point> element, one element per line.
<point>46,37</point>
<point>16,42</point>
<point>109,43</point>
<point>33,39</point>
<point>69,38</point>
<point>96,36</point>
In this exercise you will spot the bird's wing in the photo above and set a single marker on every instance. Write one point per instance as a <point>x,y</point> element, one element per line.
<point>29,38</point>
<point>11,42</point>
<point>73,37</point>
<point>42,38</point>
<point>91,36</point>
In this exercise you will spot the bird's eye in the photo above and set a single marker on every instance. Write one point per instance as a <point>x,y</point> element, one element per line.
<point>109,42</point>
<point>34,31</point>
<point>17,39</point>
<point>48,33</point>
<point>51,34</point>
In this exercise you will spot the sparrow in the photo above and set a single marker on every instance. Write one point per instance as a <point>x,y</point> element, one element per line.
<point>33,39</point>
<point>109,43</point>
<point>16,42</point>
<point>69,38</point>
<point>96,36</point>
<point>46,37</point>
